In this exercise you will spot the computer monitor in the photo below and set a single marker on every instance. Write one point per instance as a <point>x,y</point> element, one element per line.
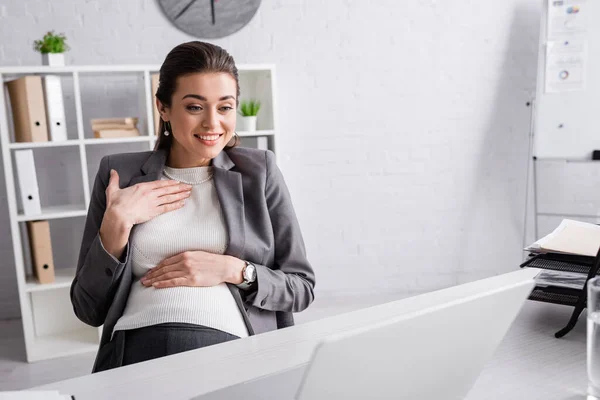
<point>427,347</point>
<point>435,352</point>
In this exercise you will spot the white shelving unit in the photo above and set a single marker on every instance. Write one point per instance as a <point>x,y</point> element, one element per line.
<point>50,327</point>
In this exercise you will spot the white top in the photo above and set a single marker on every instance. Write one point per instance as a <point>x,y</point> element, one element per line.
<point>198,225</point>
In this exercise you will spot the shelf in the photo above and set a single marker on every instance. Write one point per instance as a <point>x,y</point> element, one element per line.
<point>566,263</point>
<point>64,344</point>
<point>44,69</point>
<point>110,68</point>
<point>146,138</point>
<point>35,145</point>
<point>50,327</point>
<point>256,133</point>
<point>563,297</point>
<point>135,139</point>
<point>75,142</point>
<point>54,212</point>
<point>63,279</point>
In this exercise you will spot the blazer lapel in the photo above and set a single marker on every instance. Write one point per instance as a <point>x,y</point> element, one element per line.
<point>152,168</point>
<point>231,196</point>
<point>229,190</point>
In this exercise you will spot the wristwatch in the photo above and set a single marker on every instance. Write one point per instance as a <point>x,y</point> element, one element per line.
<point>249,275</point>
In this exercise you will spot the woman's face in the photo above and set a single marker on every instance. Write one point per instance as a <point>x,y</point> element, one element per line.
<point>202,117</point>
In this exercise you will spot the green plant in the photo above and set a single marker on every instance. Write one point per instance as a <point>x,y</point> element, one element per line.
<point>51,43</point>
<point>249,108</point>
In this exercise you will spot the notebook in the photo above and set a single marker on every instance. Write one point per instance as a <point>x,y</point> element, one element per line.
<point>570,237</point>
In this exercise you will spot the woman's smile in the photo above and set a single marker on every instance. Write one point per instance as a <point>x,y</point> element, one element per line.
<point>208,139</point>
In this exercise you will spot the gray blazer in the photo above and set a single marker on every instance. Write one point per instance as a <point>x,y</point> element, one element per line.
<point>262,226</point>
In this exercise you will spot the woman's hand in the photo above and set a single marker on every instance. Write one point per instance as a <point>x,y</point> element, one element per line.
<point>195,268</point>
<point>143,201</point>
<point>134,205</point>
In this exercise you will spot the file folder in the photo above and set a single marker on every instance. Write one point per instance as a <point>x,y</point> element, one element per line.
<point>28,109</point>
<point>55,108</point>
<point>30,196</point>
<point>41,251</point>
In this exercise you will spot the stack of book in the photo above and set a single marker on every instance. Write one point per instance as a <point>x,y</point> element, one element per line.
<point>571,243</point>
<point>115,127</point>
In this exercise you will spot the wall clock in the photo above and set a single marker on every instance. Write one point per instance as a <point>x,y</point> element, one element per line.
<point>209,19</point>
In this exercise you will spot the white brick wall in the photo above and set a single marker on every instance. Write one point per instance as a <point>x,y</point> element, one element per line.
<point>403,125</point>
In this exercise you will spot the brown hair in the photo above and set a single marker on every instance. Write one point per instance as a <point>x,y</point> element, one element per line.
<point>190,58</point>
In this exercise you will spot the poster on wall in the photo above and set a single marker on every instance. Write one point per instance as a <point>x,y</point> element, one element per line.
<point>566,17</point>
<point>565,65</point>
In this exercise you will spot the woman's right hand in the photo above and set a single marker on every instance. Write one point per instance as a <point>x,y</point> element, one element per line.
<point>134,205</point>
<point>143,201</point>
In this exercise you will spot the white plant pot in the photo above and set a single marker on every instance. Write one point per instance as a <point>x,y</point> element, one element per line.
<point>53,59</point>
<point>246,124</point>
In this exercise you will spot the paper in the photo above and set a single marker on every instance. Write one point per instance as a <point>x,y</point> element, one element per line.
<point>565,65</point>
<point>566,17</point>
<point>563,279</point>
<point>570,237</point>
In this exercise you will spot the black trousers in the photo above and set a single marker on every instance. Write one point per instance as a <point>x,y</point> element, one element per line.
<point>137,345</point>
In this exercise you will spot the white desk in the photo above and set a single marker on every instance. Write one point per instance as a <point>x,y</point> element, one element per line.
<point>532,364</point>
<point>529,364</point>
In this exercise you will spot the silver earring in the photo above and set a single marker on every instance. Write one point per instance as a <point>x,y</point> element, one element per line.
<point>166,132</point>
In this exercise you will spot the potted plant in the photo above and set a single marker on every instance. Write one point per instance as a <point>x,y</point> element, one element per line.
<point>248,111</point>
<point>52,46</point>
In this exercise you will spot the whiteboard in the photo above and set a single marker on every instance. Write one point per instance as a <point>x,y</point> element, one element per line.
<point>567,102</point>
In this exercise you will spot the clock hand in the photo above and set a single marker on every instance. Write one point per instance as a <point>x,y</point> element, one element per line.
<point>212,10</point>
<point>185,9</point>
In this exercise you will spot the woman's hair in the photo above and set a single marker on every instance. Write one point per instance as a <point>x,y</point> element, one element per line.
<point>191,58</point>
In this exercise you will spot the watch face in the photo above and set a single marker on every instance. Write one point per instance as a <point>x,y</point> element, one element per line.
<point>250,273</point>
<point>209,19</point>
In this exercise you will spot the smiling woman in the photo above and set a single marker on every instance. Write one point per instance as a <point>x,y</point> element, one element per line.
<point>196,242</point>
<point>197,103</point>
<point>201,117</point>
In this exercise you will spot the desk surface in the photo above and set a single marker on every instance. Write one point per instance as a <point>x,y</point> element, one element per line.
<point>529,364</point>
<point>532,364</point>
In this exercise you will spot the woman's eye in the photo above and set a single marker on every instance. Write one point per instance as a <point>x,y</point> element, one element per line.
<point>194,108</point>
<point>226,108</point>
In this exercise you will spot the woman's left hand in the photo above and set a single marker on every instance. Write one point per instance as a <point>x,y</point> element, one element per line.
<point>195,268</point>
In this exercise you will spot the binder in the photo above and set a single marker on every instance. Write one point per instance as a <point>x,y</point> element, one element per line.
<point>30,194</point>
<point>154,79</point>
<point>41,250</point>
<point>28,109</point>
<point>55,108</point>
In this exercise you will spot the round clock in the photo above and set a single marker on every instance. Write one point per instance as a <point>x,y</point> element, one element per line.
<point>209,19</point>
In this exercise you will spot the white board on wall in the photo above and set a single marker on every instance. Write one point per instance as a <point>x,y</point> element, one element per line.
<point>567,109</point>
